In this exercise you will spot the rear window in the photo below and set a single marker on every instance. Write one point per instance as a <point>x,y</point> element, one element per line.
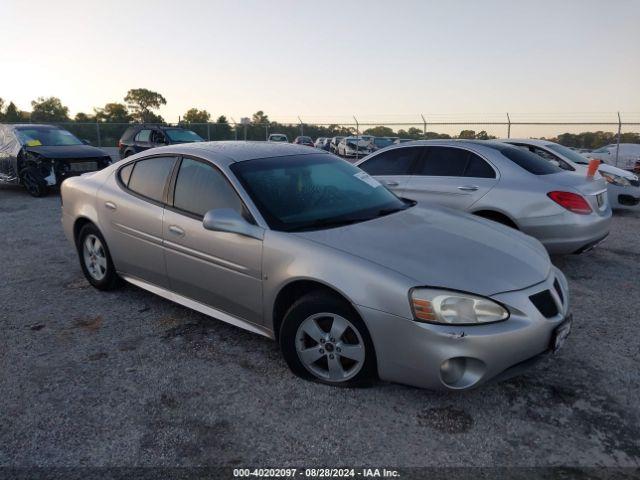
<point>531,162</point>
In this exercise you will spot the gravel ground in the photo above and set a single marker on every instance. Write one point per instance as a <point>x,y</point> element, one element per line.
<point>128,379</point>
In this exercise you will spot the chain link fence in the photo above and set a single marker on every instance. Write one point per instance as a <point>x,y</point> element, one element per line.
<point>587,131</point>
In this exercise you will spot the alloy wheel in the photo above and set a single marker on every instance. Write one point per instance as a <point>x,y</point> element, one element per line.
<point>330,347</point>
<point>95,258</point>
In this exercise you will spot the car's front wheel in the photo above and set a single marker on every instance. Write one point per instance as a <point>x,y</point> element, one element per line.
<point>33,181</point>
<point>323,339</point>
<point>95,258</point>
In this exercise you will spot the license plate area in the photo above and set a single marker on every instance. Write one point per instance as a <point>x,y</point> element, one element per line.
<point>560,334</point>
<point>600,199</point>
<point>83,166</point>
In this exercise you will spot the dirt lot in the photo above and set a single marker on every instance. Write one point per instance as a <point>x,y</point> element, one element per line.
<point>127,378</point>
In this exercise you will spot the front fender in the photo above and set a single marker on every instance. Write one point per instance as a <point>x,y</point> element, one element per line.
<point>288,258</point>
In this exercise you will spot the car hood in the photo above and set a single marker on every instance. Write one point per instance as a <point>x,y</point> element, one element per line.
<point>444,248</point>
<point>68,151</point>
<point>617,171</point>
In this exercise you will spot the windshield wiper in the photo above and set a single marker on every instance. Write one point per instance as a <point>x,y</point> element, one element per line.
<point>327,223</point>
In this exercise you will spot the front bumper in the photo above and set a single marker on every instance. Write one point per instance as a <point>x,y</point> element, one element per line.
<point>623,197</point>
<point>446,357</point>
<point>568,232</point>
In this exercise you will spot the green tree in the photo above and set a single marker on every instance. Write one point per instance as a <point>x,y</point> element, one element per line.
<point>468,134</point>
<point>380,131</point>
<point>113,113</point>
<point>49,110</point>
<point>483,135</point>
<point>12,114</point>
<point>82,117</point>
<point>259,118</point>
<point>142,102</point>
<point>194,115</point>
<point>222,129</point>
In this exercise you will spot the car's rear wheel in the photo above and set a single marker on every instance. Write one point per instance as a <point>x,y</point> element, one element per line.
<point>323,339</point>
<point>95,258</point>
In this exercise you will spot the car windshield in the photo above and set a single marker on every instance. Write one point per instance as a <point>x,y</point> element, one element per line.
<point>48,137</point>
<point>382,142</point>
<point>314,192</point>
<point>278,138</point>
<point>567,152</point>
<point>184,136</point>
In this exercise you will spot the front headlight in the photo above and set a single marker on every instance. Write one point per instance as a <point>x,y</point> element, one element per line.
<point>615,179</point>
<point>454,308</point>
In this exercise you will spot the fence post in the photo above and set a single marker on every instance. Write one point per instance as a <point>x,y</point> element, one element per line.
<point>508,126</point>
<point>98,133</point>
<point>618,141</point>
<point>424,126</point>
<point>301,127</point>
<point>235,128</point>
<point>208,131</point>
<point>357,127</point>
<point>266,131</point>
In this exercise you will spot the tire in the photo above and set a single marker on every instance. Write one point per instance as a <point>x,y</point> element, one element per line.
<point>326,360</point>
<point>33,182</point>
<point>95,259</point>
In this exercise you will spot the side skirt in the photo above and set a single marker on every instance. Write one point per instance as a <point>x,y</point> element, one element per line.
<point>199,307</point>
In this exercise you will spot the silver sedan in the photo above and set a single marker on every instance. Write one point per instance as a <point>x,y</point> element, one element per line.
<point>566,212</point>
<point>303,247</point>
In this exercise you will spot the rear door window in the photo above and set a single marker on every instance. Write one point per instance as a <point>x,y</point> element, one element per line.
<point>399,161</point>
<point>444,162</point>
<point>143,136</point>
<point>478,168</point>
<point>149,177</point>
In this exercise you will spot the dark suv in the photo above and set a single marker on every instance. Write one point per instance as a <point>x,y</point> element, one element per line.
<point>138,138</point>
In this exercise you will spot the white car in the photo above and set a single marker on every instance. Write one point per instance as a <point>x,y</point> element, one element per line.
<point>354,147</point>
<point>623,187</point>
<point>628,155</point>
<point>278,137</point>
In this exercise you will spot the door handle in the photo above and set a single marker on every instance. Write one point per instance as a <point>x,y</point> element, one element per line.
<point>110,205</point>
<point>176,230</point>
<point>391,183</point>
<point>468,188</point>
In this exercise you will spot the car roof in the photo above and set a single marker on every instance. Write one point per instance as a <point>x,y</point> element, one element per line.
<point>32,125</point>
<point>228,152</point>
<point>529,141</point>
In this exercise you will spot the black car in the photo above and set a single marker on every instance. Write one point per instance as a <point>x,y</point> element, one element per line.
<point>304,140</point>
<point>42,156</point>
<point>138,138</point>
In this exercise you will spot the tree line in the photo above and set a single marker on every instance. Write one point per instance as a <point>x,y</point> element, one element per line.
<point>140,104</point>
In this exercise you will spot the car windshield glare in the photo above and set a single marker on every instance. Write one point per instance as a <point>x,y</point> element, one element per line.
<point>46,137</point>
<point>185,136</point>
<point>567,152</point>
<point>312,192</point>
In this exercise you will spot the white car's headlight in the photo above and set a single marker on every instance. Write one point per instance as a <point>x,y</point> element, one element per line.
<point>615,179</point>
<point>454,308</point>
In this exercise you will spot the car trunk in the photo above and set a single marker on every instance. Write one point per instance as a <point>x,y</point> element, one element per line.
<point>594,190</point>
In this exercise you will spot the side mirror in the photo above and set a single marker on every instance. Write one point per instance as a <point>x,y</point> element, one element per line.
<point>86,142</point>
<point>228,220</point>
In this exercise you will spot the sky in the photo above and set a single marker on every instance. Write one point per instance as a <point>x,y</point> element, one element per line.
<point>326,61</point>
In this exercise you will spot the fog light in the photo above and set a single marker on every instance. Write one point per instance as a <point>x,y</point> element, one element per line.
<point>461,372</point>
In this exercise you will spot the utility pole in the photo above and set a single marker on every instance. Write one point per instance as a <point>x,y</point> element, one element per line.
<point>424,126</point>
<point>508,126</point>
<point>301,127</point>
